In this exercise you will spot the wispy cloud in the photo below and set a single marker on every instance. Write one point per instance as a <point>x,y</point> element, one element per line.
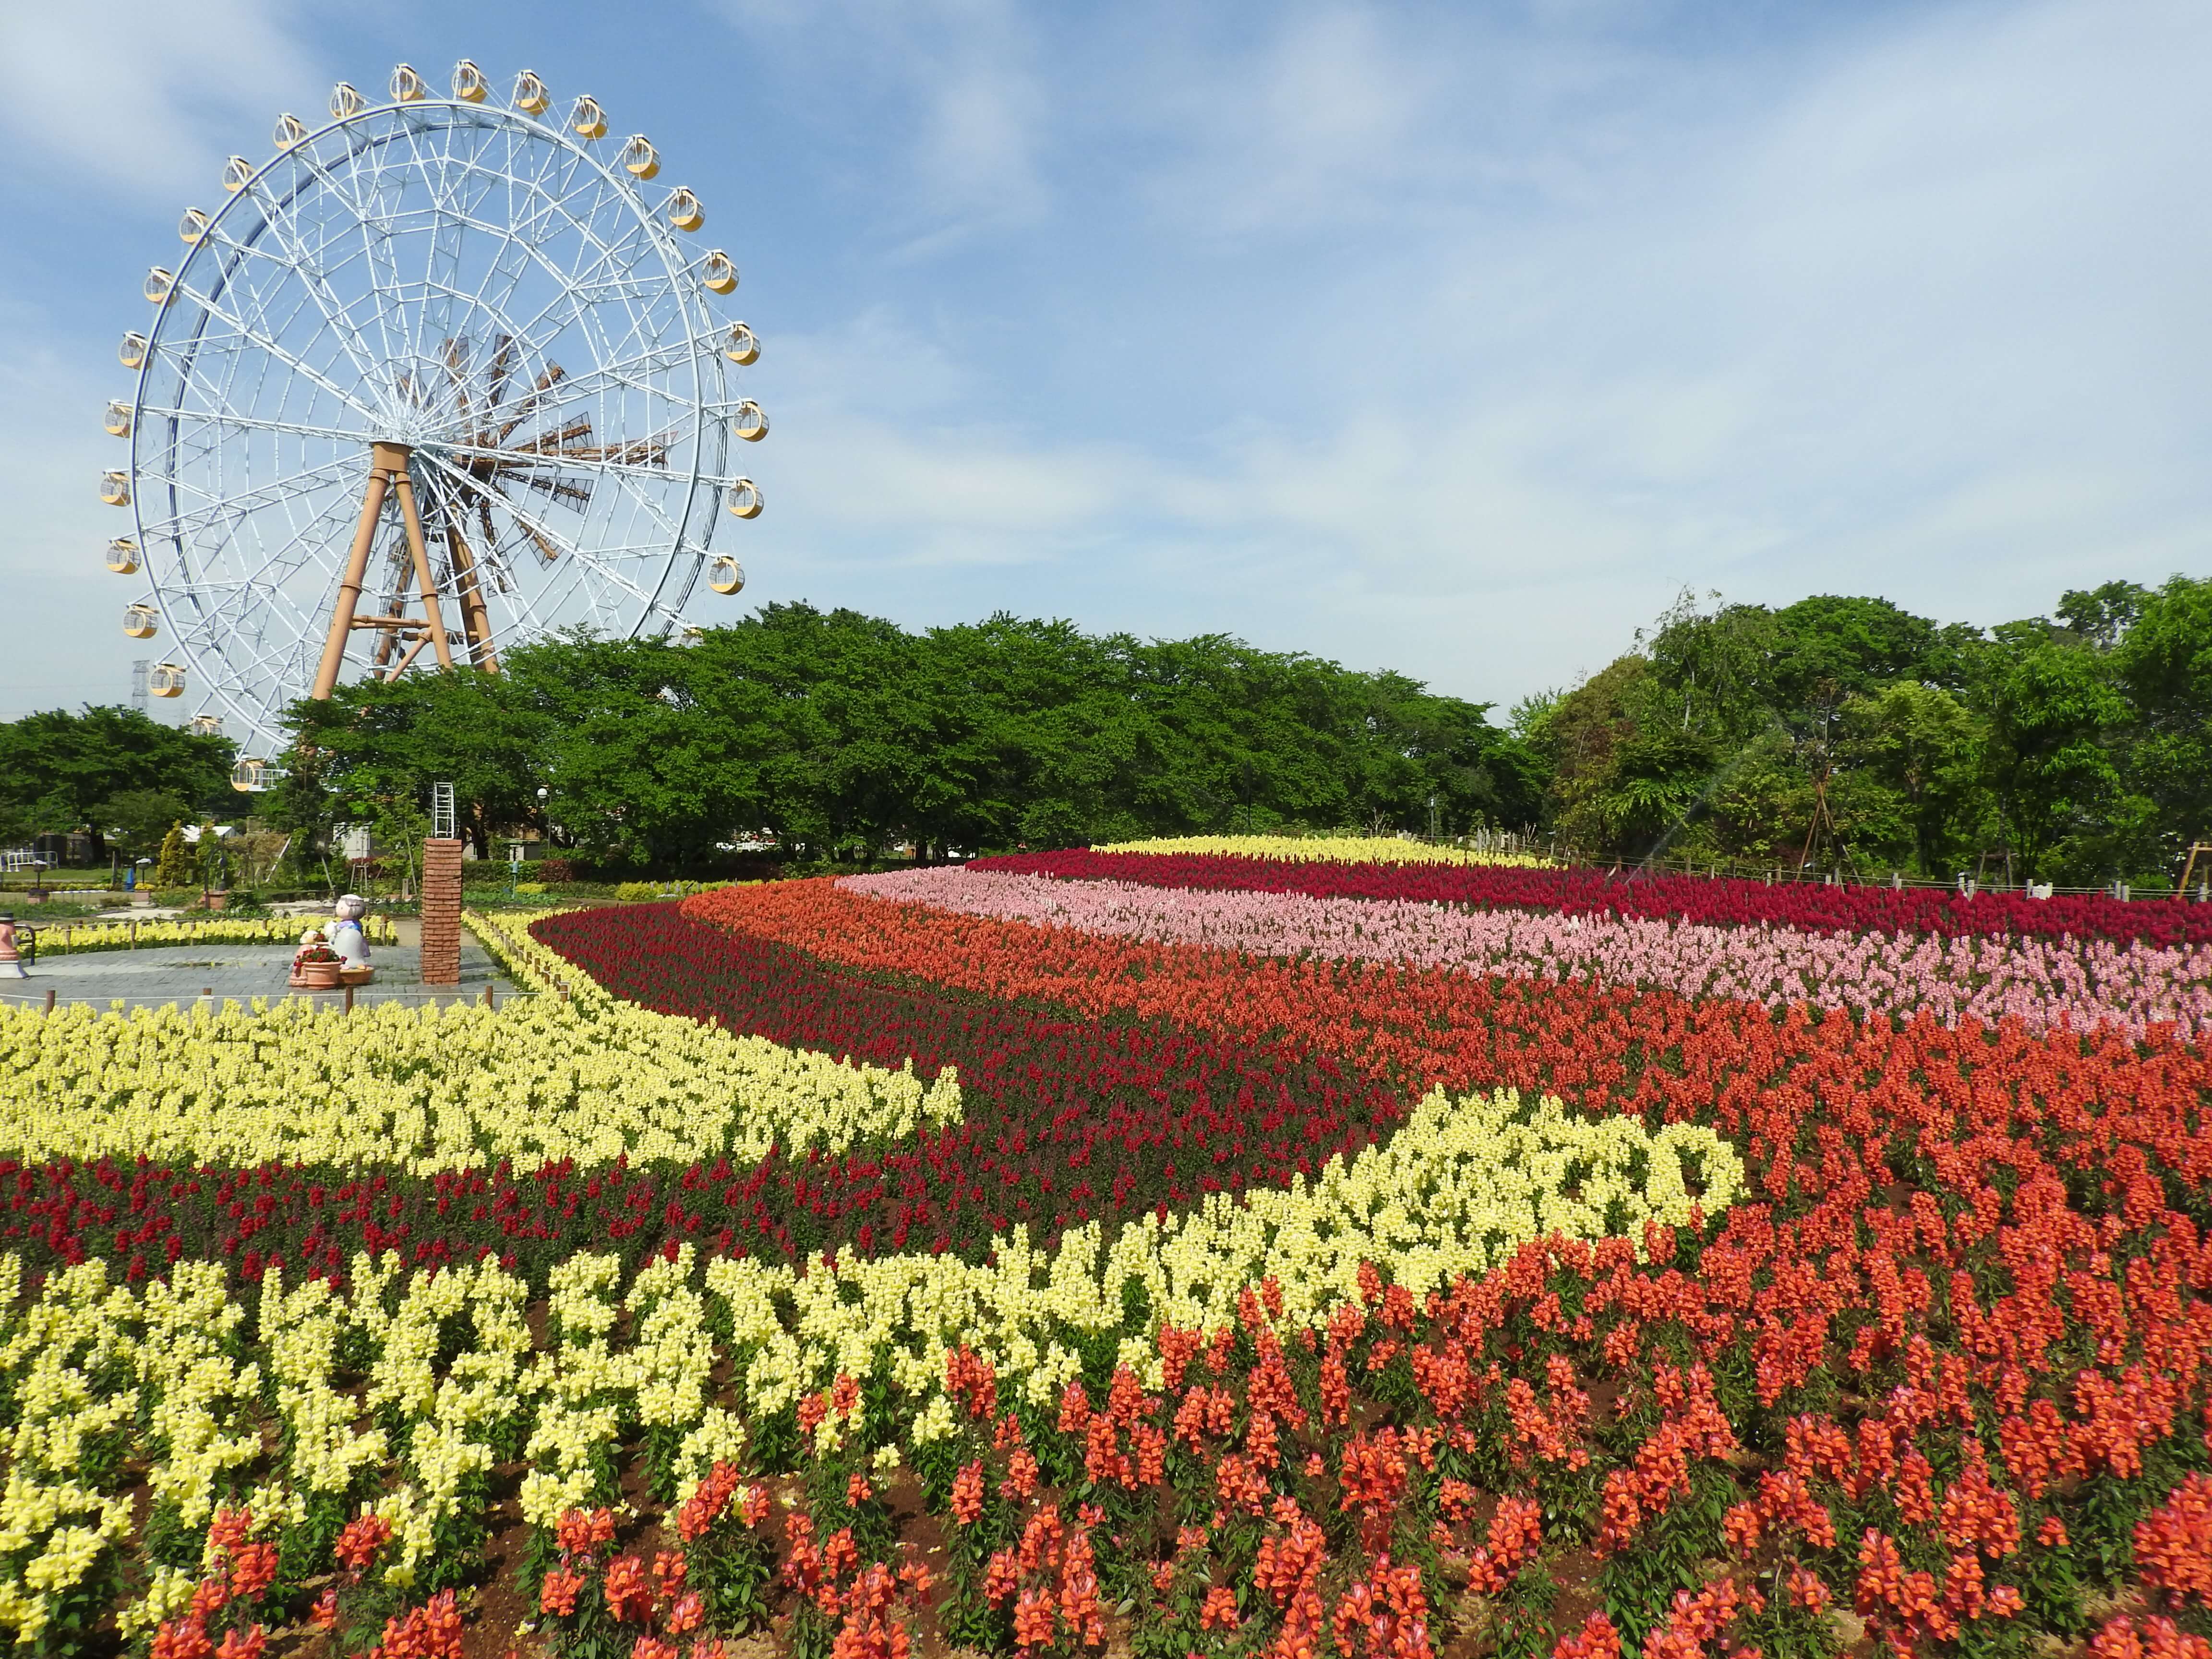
<point>144,96</point>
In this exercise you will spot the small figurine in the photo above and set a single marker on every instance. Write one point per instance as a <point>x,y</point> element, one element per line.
<point>348,939</point>
<point>11,959</point>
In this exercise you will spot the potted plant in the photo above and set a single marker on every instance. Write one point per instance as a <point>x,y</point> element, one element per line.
<point>318,967</point>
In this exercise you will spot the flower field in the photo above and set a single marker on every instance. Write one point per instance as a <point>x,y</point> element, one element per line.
<point>1321,849</point>
<point>2038,979</point>
<point>68,939</point>
<point>1726,902</point>
<point>1199,1250</point>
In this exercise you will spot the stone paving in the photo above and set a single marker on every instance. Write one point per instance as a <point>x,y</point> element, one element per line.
<point>182,974</point>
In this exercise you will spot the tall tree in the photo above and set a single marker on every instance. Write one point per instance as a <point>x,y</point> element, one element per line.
<point>2164,664</point>
<point>57,770</point>
<point>2053,706</point>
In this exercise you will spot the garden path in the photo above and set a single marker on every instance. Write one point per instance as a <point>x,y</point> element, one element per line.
<point>182,973</point>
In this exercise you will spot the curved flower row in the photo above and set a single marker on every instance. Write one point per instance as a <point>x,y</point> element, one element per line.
<point>1065,1120</point>
<point>1473,1184</point>
<point>1327,849</point>
<point>425,1088</point>
<point>2039,981</point>
<point>1726,902</point>
<point>1714,1059</point>
<point>70,938</point>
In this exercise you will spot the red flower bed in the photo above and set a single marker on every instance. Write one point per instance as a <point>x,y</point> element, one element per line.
<point>1724,903</point>
<point>1946,1367</point>
<point>1612,1047</point>
<point>1065,1119</point>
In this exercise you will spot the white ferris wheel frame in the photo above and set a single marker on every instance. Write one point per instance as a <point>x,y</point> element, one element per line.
<point>221,592</point>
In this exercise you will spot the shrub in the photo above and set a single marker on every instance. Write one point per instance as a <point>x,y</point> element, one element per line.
<point>630,892</point>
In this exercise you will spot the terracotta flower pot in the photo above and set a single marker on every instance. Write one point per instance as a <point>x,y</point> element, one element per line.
<point>320,975</point>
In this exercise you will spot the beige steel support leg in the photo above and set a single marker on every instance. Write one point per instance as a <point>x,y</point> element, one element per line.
<point>475,616</point>
<point>382,461</point>
<point>422,556</point>
<point>413,652</point>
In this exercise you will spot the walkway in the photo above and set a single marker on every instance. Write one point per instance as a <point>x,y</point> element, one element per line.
<point>184,973</point>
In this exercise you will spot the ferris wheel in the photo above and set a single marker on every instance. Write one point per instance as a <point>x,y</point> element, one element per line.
<point>440,379</point>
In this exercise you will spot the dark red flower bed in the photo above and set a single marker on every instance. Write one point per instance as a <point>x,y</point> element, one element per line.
<point>1067,1119</point>
<point>1722,902</point>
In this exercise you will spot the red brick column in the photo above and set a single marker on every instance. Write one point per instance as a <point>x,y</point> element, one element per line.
<point>442,913</point>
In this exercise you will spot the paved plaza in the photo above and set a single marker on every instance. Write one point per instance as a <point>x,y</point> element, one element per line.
<point>183,974</point>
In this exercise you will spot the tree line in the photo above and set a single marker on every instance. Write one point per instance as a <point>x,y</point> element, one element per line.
<point>1833,734</point>
<point>844,735</point>
<point>113,774</point>
<point>1850,735</point>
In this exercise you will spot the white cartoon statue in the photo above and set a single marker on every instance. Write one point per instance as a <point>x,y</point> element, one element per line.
<point>346,936</point>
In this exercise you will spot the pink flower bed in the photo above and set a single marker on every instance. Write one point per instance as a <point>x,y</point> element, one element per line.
<point>1807,907</point>
<point>2039,981</point>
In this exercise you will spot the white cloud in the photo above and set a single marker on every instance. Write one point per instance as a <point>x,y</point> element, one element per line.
<point>144,96</point>
<point>1917,318</point>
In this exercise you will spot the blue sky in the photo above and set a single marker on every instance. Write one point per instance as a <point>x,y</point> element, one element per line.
<point>1455,339</point>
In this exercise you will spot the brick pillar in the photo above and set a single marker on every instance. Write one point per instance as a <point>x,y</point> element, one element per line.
<point>442,913</point>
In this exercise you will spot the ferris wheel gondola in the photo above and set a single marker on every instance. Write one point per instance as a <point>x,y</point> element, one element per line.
<point>442,372</point>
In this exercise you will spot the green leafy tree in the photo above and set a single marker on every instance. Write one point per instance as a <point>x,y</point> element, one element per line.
<point>374,741</point>
<point>174,866</point>
<point>1581,737</point>
<point>1853,646</point>
<point>2099,615</point>
<point>56,770</point>
<point>2054,704</point>
<point>2163,663</point>
<point>136,820</point>
<point>845,735</point>
<point>1922,747</point>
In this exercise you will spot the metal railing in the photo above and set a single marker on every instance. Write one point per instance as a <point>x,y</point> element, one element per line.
<point>345,998</point>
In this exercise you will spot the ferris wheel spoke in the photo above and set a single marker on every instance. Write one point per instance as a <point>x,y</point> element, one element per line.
<point>535,526</point>
<point>320,528</point>
<point>249,260</point>
<point>472,507</point>
<point>559,460</point>
<point>244,422</point>
<point>373,226</point>
<point>542,225</point>
<point>297,261</point>
<point>538,229</point>
<point>238,504</point>
<point>581,284</point>
<point>632,373</point>
<point>264,344</point>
